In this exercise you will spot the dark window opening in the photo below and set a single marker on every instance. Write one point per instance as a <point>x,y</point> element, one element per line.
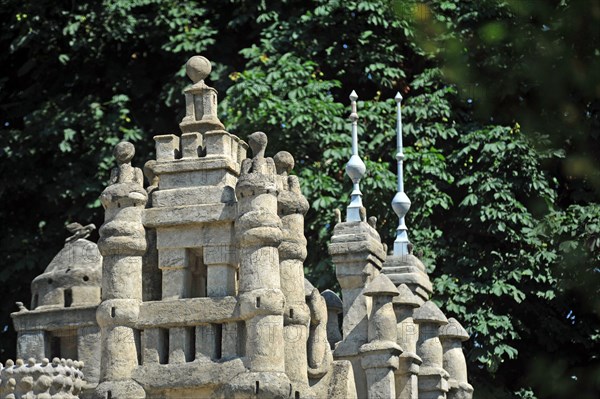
<point>198,274</point>
<point>68,296</point>
<point>163,345</point>
<point>218,340</point>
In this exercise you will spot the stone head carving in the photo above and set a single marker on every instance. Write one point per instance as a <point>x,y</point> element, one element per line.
<point>125,172</point>
<point>284,163</point>
<point>259,163</point>
<point>258,143</point>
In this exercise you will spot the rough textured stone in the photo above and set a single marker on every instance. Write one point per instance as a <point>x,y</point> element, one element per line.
<point>196,287</point>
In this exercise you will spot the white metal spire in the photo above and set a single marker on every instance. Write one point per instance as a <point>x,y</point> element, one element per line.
<point>355,168</point>
<point>401,202</point>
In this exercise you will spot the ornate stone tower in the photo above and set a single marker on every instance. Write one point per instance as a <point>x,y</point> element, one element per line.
<point>122,244</point>
<point>197,289</point>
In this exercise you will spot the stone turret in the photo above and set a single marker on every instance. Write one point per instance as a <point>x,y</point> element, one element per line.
<point>258,230</point>
<point>194,206</point>
<point>452,336</point>
<point>380,354</point>
<point>291,207</point>
<point>407,336</point>
<point>433,379</point>
<point>122,244</point>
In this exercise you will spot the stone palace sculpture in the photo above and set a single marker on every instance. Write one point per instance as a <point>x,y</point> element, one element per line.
<point>196,287</point>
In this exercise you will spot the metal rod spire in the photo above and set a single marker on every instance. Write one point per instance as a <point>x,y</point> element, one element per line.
<point>401,202</point>
<point>355,168</point>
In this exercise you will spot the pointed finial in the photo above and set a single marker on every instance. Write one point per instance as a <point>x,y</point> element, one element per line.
<point>355,168</point>
<point>401,202</point>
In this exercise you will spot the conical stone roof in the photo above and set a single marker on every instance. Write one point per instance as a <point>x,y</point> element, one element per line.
<point>406,297</point>
<point>453,330</point>
<point>429,313</point>
<point>380,286</point>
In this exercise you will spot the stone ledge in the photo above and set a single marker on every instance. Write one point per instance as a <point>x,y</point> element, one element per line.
<point>195,164</point>
<point>188,312</point>
<point>196,374</point>
<point>193,196</point>
<point>55,318</point>
<point>189,214</point>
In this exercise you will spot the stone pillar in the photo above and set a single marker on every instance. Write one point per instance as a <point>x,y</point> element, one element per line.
<point>221,268</point>
<point>152,282</point>
<point>258,230</point>
<point>380,354</point>
<point>433,379</point>
<point>291,207</point>
<point>122,244</point>
<point>334,308</point>
<point>31,343</point>
<point>452,336</point>
<point>357,254</point>
<point>407,336</point>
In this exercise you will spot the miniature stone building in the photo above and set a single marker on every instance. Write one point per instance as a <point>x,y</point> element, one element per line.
<point>202,290</point>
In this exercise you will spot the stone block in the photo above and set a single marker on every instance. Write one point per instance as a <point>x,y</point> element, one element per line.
<point>167,147</point>
<point>191,144</point>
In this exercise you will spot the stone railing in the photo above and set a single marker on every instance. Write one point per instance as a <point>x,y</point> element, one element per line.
<point>57,379</point>
<point>184,330</point>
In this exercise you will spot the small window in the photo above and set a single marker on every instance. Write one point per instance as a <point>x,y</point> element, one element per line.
<point>68,296</point>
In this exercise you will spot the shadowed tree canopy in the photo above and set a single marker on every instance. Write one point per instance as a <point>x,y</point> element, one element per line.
<point>502,136</point>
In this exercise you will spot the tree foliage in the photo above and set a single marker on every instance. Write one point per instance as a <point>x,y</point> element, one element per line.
<point>501,133</point>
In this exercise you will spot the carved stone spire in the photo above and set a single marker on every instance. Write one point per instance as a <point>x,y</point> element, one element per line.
<point>200,99</point>
<point>400,203</point>
<point>355,168</point>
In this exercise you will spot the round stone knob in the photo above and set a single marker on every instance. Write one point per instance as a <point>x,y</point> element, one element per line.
<point>284,162</point>
<point>198,68</point>
<point>124,152</point>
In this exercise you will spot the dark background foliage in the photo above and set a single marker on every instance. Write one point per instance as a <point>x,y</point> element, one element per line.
<point>502,129</point>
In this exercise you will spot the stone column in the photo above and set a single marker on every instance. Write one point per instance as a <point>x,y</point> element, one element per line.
<point>433,379</point>
<point>258,230</point>
<point>31,343</point>
<point>357,254</point>
<point>408,334</point>
<point>452,336</point>
<point>380,354</point>
<point>122,244</point>
<point>292,206</point>
<point>221,268</point>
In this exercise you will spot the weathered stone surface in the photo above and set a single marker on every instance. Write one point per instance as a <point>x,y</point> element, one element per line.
<point>77,268</point>
<point>196,287</point>
<point>59,378</point>
<point>452,335</point>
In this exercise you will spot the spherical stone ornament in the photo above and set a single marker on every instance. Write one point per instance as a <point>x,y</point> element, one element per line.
<point>198,68</point>
<point>284,162</point>
<point>124,152</point>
